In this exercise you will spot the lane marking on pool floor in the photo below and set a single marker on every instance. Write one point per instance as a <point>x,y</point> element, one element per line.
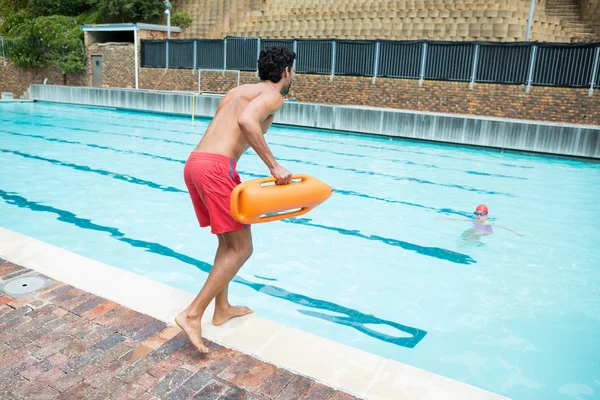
<point>342,367</point>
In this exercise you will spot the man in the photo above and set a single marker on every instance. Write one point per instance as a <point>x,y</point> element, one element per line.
<point>242,118</point>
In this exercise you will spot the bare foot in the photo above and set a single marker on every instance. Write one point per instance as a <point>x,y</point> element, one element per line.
<point>223,315</point>
<point>192,329</point>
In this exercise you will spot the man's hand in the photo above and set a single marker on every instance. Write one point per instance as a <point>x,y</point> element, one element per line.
<point>282,175</point>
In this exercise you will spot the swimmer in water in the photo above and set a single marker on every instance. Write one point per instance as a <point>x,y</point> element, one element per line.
<point>481,226</point>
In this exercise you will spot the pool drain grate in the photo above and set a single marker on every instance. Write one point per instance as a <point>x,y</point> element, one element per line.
<point>23,285</point>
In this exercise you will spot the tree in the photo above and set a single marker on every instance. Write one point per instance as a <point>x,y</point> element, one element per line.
<point>71,8</point>
<point>47,33</point>
<point>8,7</point>
<point>181,19</point>
<point>129,10</point>
<point>13,23</point>
<point>46,41</point>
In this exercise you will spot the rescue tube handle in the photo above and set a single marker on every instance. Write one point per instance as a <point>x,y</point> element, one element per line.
<point>235,195</point>
<point>279,216</point>
<point>234,202</point>
<point>294,176</point>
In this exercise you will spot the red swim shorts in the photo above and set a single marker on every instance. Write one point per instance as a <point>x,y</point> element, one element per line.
<point>210,179</point>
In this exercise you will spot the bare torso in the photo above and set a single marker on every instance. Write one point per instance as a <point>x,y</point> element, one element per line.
<point>223,135</point>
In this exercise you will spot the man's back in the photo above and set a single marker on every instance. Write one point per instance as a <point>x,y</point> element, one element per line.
<point>223,135</point>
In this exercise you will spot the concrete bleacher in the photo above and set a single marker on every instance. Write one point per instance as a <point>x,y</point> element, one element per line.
<point>590,13</point>
<point>455,20</point>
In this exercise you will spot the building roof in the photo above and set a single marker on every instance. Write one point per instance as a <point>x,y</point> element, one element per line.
<point>128,27</point>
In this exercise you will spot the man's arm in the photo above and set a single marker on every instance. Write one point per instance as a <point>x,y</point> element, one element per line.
<point>266,124</point>
<point>256,115</point>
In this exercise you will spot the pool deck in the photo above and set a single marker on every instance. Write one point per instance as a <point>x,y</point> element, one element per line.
<point>61,342</point>
<point>91,311</point>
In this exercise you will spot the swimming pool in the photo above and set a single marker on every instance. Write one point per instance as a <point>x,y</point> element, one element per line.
<point>373,267</point>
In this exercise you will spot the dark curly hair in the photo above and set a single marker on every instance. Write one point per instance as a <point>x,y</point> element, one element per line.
<point>272,61</point>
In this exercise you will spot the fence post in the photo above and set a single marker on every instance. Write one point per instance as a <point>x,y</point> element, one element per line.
<point>257,54</point>
<point>475,59</point>
<point>137,63</point>
<point>423,59</point>
<point>594,71</point>
<point>167,57</point>
<point>224,57</point>
<point>195,56</point>
<point>295,49</point>
<point>332,60</point>
<point>531,68</point>
<point>376,68</point>
<point>529,20</point>
<point>3,54</point>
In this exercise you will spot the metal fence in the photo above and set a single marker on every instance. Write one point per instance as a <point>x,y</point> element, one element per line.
<point>542,64</point>
<point>6,45</point>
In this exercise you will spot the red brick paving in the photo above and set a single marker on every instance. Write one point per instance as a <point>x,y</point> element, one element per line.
<point>63,343</point>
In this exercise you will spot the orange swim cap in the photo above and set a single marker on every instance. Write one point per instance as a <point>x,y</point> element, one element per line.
<point>482,208</point>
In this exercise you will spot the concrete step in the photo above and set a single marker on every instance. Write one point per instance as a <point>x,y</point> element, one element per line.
<point>562,8</point>
<point>562,4</point>
<point>564,12</point>
<point>581,33</point>
<point>568,18</point>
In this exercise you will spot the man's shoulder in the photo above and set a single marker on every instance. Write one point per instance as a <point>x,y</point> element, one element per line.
<point>255,89</point>
<point>256,93</point>
<point>265,94</point>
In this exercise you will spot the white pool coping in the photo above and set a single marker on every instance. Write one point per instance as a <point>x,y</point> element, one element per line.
<point>345,368</point>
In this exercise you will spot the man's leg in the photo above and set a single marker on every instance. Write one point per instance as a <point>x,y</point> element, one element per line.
<point>233,251</point>
<point>223,310</point>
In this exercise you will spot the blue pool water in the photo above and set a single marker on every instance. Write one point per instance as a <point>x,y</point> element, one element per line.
<point>373,267</point>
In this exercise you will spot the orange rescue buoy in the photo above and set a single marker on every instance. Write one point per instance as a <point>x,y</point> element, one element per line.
<point>252,200</point>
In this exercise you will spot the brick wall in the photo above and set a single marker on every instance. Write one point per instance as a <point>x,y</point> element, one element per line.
<point>118,64</point>
<point>156,35</point>
<point>16,80</point>
<point>183,79</point>
<point>509,101</point>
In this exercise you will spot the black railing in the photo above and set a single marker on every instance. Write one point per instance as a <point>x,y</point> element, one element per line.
<point>543,64</point>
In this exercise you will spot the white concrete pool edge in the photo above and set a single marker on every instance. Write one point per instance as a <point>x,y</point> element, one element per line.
<point>359,373</point>
<point>492,133</point>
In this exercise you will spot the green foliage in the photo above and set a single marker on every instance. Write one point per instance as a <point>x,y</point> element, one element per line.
<point>13,23</point>
<point>48,41</point>
<point>47,32</point>
<point>181,19</point>
<point>90,17</point>
<point>129,10</point>
<point>38,8</point>
<point>8,7</point>
<point>88,11</point>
